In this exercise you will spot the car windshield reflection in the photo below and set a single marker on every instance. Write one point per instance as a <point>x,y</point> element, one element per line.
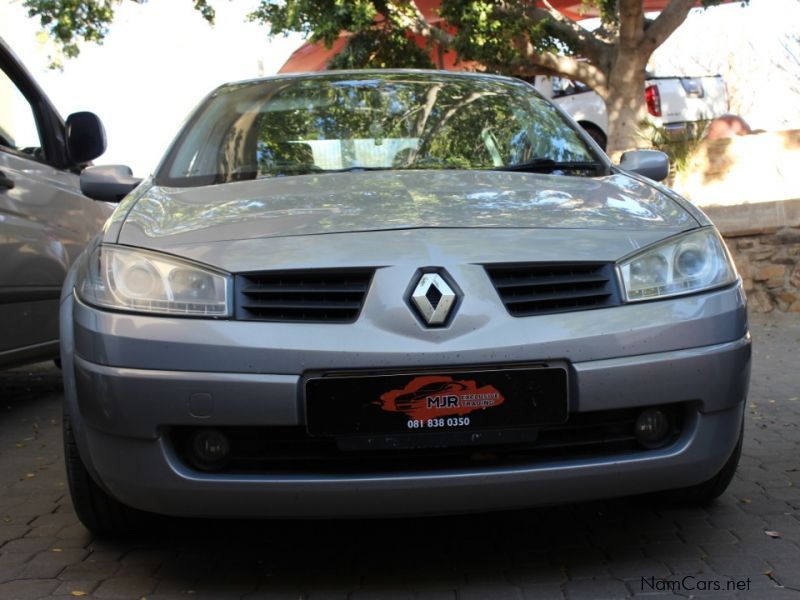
<point>384,121</point>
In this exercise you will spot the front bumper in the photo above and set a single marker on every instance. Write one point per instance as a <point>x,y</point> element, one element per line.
<point>694,350</point>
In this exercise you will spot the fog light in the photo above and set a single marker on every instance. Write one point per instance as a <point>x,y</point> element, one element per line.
<point>209,449</point>
<point>652,428</point>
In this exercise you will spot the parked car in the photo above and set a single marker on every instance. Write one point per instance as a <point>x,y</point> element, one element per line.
<point>679,105</point>
<point>242,337</point>
<point>45,221</point>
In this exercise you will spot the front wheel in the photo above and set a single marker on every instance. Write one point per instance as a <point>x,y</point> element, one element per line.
<point>596,134</point>
<point>99,512</point>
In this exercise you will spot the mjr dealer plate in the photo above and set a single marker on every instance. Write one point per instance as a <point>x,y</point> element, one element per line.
<point>431,402</point>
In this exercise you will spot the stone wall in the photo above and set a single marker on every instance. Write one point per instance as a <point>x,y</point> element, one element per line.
<point>764,240</point>
<point>769,264</point>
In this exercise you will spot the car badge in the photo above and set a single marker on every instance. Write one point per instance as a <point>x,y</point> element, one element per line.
<point>433,298</point>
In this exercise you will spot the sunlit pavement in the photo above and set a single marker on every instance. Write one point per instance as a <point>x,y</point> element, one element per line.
<point>749,540</point>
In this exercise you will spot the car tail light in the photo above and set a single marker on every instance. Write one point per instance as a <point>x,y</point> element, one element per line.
<point>652,98</point>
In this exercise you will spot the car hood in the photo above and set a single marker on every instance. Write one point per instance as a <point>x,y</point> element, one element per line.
<point>329,203</point>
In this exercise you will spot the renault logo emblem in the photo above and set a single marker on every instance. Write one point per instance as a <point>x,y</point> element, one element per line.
<point>433,298</point>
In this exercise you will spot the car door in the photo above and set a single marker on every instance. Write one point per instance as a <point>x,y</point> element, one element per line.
<point>45,222</point>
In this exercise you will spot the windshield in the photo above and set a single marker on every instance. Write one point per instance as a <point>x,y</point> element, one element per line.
<point>295,126</point>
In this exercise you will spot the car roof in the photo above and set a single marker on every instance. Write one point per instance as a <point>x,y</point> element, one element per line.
<point>337,74</point>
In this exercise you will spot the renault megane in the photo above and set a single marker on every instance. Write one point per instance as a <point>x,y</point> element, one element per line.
<point>253,332</point>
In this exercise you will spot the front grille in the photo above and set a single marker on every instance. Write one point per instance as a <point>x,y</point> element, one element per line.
<point>289,449</point>
<point>528,289</point>
<point>330,296</point>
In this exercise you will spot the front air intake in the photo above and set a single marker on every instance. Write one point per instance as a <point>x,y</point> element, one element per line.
<point>528,289</point>
<point>321,296</point>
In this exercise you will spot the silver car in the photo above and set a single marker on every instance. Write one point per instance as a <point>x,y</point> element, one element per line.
<point>395,293</point>
<point>45,221</point>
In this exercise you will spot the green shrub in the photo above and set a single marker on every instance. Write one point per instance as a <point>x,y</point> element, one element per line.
<point>680,150</point>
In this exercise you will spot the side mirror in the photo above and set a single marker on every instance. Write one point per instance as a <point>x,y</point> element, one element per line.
<point>650,163</point>
<point>86,137</point>
<point>109,183</point>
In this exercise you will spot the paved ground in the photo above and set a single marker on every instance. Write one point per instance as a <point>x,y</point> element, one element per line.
<point>599,550</point>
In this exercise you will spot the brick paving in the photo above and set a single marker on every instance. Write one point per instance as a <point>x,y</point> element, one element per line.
<point>612,549</point>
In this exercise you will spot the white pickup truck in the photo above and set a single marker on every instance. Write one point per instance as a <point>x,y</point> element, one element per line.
<point>673,103</point>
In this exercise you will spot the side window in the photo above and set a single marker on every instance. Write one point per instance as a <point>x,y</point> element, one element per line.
<point>18,129</point>
<point>566,87</point>
<point>560,87</point>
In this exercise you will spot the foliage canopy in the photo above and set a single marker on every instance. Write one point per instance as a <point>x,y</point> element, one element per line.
<point>513,37</point>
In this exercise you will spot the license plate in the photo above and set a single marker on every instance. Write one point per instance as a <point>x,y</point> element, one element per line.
<point>432,402</point>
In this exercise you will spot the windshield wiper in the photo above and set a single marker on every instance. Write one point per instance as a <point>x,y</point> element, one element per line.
<point>548,165</point>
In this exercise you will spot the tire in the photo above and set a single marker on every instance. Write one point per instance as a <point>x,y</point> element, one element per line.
<point>708,491</point>
<point>596,134</point>
<point>101,514</point>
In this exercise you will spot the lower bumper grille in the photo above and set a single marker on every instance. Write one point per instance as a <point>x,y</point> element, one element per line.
<point>284,450</point>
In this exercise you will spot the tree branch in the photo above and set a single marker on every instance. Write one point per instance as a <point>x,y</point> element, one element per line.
<point>589,45</point>
<point>537,63</point>
<point>666,23</point>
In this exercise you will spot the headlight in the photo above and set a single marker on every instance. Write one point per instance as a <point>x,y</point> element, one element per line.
<point>682,265</point>
<point>140,281</point>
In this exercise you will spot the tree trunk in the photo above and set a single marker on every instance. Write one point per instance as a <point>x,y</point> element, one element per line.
<point>625,103</point>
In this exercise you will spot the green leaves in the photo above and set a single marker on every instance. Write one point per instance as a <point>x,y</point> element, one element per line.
<point>497,34</point>
<point>321,21</point>
<point>70,22</point>
<point>484,34</point>
<point>381,49</point>
<point>203,8</point>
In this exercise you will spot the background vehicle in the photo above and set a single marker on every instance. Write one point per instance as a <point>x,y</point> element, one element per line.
<point>674,103</point>
<point>45,221</point>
